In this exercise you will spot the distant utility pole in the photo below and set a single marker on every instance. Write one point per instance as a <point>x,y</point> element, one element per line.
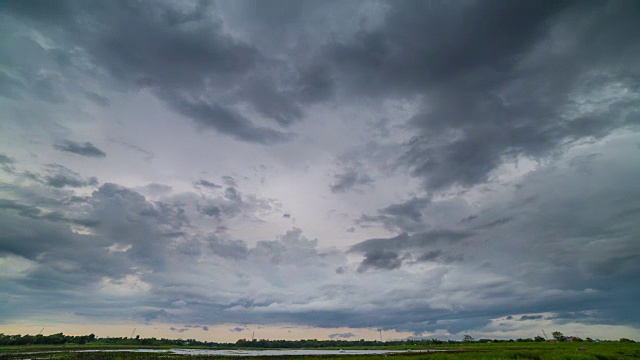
<point>40,331</point>
<point>545,334</point>
<point>134,330</point>
<point>253,334</point>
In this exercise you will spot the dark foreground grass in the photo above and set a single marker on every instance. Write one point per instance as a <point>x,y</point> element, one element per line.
<point>532,351</point>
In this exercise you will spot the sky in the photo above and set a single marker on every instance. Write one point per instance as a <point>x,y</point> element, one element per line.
<point>320,169</point>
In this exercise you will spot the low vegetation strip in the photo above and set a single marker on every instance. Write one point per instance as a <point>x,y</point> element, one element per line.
<point>60,346</point>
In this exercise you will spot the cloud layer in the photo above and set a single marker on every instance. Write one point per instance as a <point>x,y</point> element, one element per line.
<point>429,167</point>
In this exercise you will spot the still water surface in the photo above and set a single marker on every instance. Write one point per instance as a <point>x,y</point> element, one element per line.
<point>266,352</point>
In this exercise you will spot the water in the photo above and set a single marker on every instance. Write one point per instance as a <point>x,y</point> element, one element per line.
<point>287,352</point>
<point>257,352</point>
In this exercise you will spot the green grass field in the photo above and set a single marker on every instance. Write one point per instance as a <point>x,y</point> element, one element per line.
<point>532,351</point>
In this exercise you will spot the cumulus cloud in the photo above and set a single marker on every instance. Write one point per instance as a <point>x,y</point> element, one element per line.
<point>136,249</point>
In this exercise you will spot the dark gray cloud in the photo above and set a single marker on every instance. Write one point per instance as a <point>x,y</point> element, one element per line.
<point>83,149</point>
<point>346,335</point>
<point>437,246</point>
<point>232,203</point>
<point>130,236</point>
<point>212,211</point>
<point>152,315</point>
<point>98,99</point>
<point>235,249</point>
<point>4,159</point>
<point>229,181</point>
<point>156,189</point>
<point>7,163</point>
<point>184,56</point>
<point>315,84</point>
<point>35,213</point>
<point>54,248</point>
<point>390,59</point>
<point>380,259</point>
<point>494,223</point>
<point>491,84</point>
<point>494,138</point>
<point>144,227</point>
<point>232,194</point>
<point>24,210</point>
<point>180,330</point>
<point>406,216</point>
<point>60,181</point>
<point>138,219</point>
<point>415,241</point>
<point>207,184</point>
<point>430,255</point>
<point>59,176</point>
<point>226,121</point>
<point>350,179</point>
<point>148,154</point>
<point>273,104</point>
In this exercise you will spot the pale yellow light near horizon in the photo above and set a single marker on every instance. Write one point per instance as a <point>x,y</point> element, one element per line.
<point>223,333</point>
<point>216,333</point>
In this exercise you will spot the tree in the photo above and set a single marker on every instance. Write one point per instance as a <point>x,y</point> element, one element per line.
<point>467,338</point>
<point>558,336</point>
<point>538,339</point>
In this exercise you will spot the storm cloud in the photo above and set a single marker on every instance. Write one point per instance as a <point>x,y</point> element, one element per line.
<point>430,168</point>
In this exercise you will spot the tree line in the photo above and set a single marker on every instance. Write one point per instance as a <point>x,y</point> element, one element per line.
<point>54,339</point>
<point>60,338</point>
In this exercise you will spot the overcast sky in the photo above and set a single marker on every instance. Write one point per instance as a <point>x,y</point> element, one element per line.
<point>426,168</point>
